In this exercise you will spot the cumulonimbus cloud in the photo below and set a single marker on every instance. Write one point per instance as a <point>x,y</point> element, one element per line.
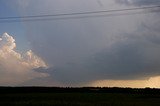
<point>86,50</point>
<point>15,67</point>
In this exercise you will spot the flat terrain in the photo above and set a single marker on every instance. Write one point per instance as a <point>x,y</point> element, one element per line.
<point>89,97</point>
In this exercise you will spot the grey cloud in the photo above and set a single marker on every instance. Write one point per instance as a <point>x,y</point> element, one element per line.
<point>84,50</point>
<point>136,57</point>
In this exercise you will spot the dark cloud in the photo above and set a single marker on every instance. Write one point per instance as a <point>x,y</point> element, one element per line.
<point>84,50</point>
<point>78,57</point>
<point>134,57</point>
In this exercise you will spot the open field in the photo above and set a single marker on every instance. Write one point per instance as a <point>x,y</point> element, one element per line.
<point>89,97</point>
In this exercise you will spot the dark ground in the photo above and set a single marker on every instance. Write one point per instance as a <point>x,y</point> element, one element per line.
<point>43,96</point>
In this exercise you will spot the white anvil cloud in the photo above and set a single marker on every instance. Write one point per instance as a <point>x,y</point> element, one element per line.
<point>16,68</point>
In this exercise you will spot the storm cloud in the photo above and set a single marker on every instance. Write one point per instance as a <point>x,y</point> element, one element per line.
<point>79,51</point>
<point>134,57</point>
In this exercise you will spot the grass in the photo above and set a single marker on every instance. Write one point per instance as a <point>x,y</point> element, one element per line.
<point>79,99</point>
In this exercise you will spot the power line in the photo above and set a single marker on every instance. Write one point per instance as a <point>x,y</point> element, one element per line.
<point>83,13</point>
<point>76,15</point>
<point>69,18</point>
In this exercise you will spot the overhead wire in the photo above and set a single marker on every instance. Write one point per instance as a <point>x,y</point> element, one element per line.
<point>77,15</point>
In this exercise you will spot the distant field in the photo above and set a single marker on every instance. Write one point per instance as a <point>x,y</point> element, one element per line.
<point>78,99</point>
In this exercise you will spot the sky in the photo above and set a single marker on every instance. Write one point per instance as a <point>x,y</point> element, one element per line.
<point>116,49</point>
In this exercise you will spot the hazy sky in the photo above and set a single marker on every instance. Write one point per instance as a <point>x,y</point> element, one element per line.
<point>117,50</point>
